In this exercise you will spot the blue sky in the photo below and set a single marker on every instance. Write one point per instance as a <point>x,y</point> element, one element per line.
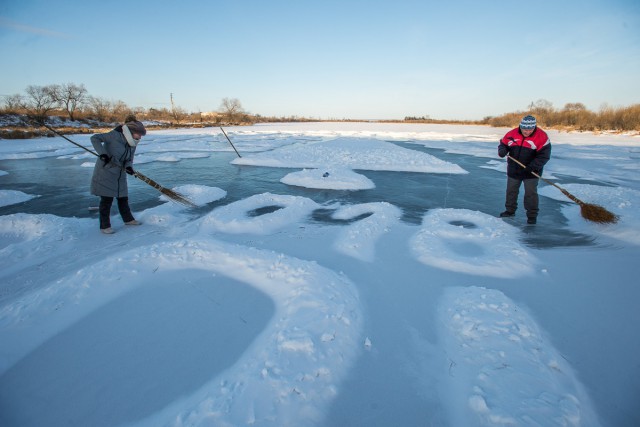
<point>331,59</point>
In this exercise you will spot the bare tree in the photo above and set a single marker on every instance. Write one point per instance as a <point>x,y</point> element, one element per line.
<point>541,105</point>
<point>178,113</point>
<point>71,96</point>
<point>231,109</point>
<point>13,104</point>
<point>100,108</point>
<point>40,101</point>
<point>574,106</point>
<point>119,111</point>
<point>159,114</point>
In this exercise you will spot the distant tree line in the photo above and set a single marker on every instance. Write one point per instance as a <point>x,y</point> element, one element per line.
<point>74,101</point>
<point>574,116</point>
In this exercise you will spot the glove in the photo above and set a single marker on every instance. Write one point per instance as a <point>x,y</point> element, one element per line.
<point>503,149</point>
<point>530,170</point>
<point>105,158</point>
<point>129,170</point>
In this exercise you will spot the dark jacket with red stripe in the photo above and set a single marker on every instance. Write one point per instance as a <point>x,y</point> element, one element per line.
<point>533,151</point>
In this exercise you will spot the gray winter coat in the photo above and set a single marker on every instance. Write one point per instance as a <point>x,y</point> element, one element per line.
<point>110,180</point>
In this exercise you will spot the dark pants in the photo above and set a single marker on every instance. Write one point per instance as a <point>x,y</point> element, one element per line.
<point>530,195</point>
<point>105,210</point>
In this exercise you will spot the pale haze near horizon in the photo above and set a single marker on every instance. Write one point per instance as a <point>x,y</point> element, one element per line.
<point>334,60</point>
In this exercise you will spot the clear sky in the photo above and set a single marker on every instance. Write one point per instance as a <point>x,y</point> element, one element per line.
<point>451,59</point>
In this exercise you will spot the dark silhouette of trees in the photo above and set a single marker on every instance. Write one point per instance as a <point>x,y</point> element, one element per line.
<point>71,96</point>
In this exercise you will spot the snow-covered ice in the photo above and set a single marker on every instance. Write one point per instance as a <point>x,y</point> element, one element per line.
<point>492,345</point>
<point>376,155</point>
<point>291,298</point>
<point>472,243</point>
<point>333,178</point>
<point>11,197</point>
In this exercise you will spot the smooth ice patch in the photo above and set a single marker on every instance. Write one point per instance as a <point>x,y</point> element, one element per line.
<point>471,242</point>
<point>500,367</point>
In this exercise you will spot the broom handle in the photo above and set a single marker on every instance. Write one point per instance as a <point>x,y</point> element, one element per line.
<point>532,173</point>
<point>234,148</point>
<point>61,135</point>
<point>177,197</point>
<point>565,192</point>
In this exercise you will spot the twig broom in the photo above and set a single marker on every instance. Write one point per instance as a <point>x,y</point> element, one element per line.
<point>590,212</point>
<point>173,195</point>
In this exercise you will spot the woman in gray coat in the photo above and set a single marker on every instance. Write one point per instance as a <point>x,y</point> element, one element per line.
<point>115,149</point>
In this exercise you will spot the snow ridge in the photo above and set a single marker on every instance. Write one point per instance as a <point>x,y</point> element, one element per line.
<point>500,361</point>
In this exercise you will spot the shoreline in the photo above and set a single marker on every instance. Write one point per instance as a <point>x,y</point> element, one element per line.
<point>12,129</point>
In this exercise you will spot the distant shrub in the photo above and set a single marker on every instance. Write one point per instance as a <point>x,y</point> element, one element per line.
<point>574,116</point>
<point>19,134</point>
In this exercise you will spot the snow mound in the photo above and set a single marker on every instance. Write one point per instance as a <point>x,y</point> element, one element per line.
<point>259,214</point>
<point>329,179</point>
<point>169,158</point>
<point>502,369</point>
<point>292,368</point>
<point>621,201</point>
<point>471,242</point>
<point>198,194</point>
<point>21,227</point>
<point>170,214</point>
<point>359,238</point>
<point>364,154</point>
<point>19,232</point>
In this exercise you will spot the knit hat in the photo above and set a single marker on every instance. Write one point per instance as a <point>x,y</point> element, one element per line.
<point>528,122</point>
<point>134,125</point>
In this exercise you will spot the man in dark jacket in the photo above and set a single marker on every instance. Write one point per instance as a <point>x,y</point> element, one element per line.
<point>531,146</point>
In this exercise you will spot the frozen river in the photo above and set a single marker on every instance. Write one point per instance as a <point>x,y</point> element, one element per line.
<point>404,301</point>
